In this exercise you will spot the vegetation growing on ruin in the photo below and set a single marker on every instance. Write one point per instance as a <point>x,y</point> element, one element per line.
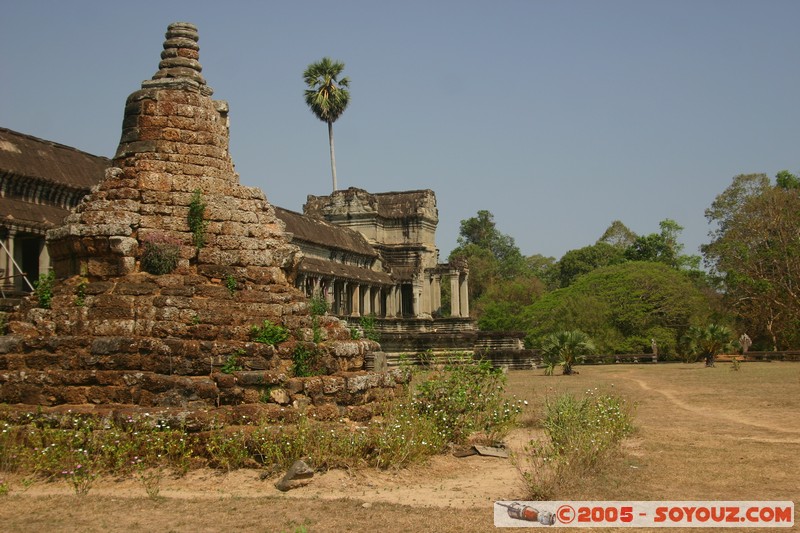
<point>305,362</point>
<point>318,307</point>
<point>160,254</point>
<point>232,363</point>
<point>269,333</point>
<point>80,292</point>
<point>368,326</point>
<point>231,284</point>
<point>43,289</point>
<point>196,220</point>
<point>445,406</point>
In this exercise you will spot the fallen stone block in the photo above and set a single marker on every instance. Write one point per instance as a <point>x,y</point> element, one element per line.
<point>297,476</point>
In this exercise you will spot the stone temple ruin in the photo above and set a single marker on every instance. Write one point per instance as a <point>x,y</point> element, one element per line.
<point>116,334</point>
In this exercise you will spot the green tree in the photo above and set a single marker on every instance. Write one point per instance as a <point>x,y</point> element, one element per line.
<point>662,247</point>
<point>618,235</point>
<point>482,232</point>
<point>787,180</point>
<point>755,253</point>
<point>501,304</point>
<point>576,263</point>
<point>492,256</point>
<point>327,96</point>
<point>622,307</point>
<point>564,348</point>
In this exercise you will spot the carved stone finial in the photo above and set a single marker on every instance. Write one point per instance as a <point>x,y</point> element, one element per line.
<point>179,64</point>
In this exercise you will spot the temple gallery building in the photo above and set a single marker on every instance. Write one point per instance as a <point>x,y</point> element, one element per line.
<point>365,253</point>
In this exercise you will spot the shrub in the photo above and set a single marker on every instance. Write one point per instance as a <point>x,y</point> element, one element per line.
<point>269,333</point>
<point>466,397</point>
<point>160,254</point>
<point>231,284</point>
<point>318,307</point>
<point>231,364</point>
<point>582,435</point>
<point>43,289</point>
<point>305,362</point>
<point>197,225</point>
<point>80,292</point>
<point>368,327</point>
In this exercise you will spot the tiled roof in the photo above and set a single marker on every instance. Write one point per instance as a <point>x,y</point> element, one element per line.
<point>29,156</point>
<point>34,216</point>
<point>313,265</point>
<point>317,231</point>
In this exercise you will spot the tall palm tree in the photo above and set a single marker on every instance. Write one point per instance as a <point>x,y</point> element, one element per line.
<point>565,348</point>
<point>327,96</point>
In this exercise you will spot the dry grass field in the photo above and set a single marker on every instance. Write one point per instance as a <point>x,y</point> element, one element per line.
<point>702,434</point>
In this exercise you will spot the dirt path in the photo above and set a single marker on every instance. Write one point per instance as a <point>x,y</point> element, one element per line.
<point>732,416</point>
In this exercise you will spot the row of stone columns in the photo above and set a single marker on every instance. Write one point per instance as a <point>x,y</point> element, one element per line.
<point>350,298</point>
<point>459,295</point>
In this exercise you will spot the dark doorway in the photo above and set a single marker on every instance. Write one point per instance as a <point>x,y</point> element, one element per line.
<point>29,249</point>
<point>407,300</point>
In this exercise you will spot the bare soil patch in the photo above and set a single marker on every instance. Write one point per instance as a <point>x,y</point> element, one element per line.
<point>701,434</point>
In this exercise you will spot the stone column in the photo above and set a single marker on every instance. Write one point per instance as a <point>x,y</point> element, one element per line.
<point>391,302</point>
<point>44,258</point>
<point>377,302</point>
<point>355,307</point>
<point>367,295</point>
<point>317,289</point>
<point>426,302</point>
<point>436,293</point>
<point>330,297</point>
<point>417,296</point>
<point>464,297</point>
<point>455,295</point>
<point>11,282</point>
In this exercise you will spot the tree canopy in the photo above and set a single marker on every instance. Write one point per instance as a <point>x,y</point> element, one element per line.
<point>622,307</point>
<point>755,252</point>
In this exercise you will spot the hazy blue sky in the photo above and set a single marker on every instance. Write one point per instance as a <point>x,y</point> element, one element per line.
<point>557,116</point>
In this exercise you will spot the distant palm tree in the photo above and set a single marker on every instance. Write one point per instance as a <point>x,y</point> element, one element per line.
<point>564,348</point>
<point>710,341</point>
<point>327,96</point>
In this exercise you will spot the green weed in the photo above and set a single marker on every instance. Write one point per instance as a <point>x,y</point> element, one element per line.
<point>269,333</point>
<point>195,219</point>
<point>43,289</point>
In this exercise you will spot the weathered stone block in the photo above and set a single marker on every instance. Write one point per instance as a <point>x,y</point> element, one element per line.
<point>313,386</point>
<point>324,412</point>
<point>359,413</point>
<point>333,384</point>
<point>114,345</point>
<point>280,396</point>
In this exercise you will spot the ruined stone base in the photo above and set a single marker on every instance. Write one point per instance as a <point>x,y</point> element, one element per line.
<point>177,373</point>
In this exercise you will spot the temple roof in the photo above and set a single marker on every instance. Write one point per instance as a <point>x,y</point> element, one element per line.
<point>24,155</point>
<point>317,231</point>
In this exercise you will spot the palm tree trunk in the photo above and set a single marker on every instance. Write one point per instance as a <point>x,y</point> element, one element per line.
<point>333,157</point>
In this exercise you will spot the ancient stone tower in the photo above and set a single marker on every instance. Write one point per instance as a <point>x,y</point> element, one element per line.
<point>119,332</point>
